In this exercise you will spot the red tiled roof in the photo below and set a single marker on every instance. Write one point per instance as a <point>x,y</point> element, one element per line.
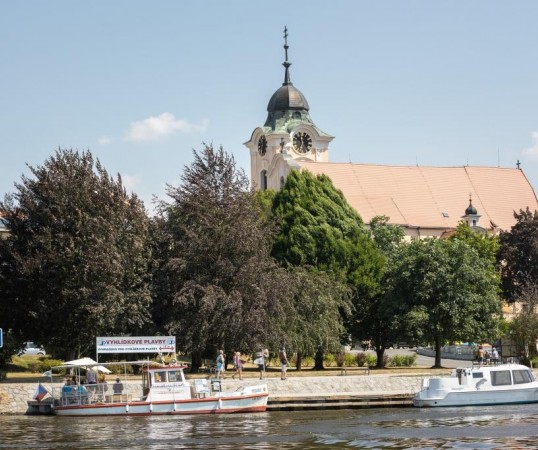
<point>419,195</point>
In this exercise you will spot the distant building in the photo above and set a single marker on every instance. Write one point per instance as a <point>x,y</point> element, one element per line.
<point>425,201</point>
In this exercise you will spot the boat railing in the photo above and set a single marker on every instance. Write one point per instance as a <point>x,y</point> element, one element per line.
<point>85,394</point>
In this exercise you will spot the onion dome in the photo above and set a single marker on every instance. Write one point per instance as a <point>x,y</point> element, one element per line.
<point>471,210</point>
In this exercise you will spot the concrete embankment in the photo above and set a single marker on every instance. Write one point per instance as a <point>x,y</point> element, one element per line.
<point>348,391</point>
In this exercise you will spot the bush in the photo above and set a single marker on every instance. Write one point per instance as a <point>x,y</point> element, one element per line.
<point>340,358</point>
<point>371,359</point>
<point>402,361</point>
<point>361,359</point>
<point>329,360</point>
<point>349,359</point>
<point>308,361</point>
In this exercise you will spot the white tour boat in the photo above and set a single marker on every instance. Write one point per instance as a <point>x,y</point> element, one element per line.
<point>481,385</point>
<point>164,390</point>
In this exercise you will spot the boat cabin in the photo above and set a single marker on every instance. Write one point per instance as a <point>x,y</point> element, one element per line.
<point>164,382</point>
<point>494,376</point>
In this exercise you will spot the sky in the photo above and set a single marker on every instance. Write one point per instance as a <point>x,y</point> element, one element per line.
<point>141,84</point>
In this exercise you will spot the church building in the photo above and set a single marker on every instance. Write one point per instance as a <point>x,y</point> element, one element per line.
<point>425,201</point>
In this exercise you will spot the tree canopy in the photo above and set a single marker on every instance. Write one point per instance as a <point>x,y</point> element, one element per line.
<point>447,291</point>
<point>518,255</point>
<point>216,283</point>
<point>318,228</point>
<point>75,264</point>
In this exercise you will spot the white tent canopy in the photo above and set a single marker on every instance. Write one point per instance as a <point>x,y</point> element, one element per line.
<point>85,363</point>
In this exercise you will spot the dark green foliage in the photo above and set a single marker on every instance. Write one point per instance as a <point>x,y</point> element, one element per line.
<point>75,265</point>
<point>518,255</point>
<point>216,285</point>
<point>320,229</point>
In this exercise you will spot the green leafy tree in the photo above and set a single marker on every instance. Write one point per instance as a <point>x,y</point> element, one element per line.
<point>313,319</point>
<point>378,319</point>
<point>216,285</point>
<point>518,255</point>
<point>75,264</point>
<point>446,290</point>
<point>523,328</point>
<point>318,228</point>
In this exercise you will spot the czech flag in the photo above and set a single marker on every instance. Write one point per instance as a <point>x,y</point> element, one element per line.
<point>40,392</point>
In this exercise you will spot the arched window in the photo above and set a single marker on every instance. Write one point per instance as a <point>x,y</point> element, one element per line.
<point>297,115</point>
<point>282,182</point>
<point>263,180</point>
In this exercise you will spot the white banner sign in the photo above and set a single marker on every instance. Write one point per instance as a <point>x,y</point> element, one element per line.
<point>136,344</point>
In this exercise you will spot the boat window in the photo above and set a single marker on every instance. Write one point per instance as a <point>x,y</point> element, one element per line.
<point>522,376</point>
<point>160,377</point>
<point>174,375</point>
<point>478,375</point>
<point>500,378</point>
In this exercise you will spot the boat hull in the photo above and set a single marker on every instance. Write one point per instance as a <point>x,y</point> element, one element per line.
<point>210,405</point>
<point>478,398</point>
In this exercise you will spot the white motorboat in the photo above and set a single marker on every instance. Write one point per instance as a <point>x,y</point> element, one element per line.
<point>481,385</point>
<point>164,390</point>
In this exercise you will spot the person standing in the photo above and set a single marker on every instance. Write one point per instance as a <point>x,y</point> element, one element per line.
<point>238,365</point>
<point>260,360</point>
<point>283,363</point>
<point>220,364</point>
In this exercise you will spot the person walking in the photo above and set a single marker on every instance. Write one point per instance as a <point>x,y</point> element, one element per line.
<point>220,364</point>
<point>238,365</point>
<point>283,363</point>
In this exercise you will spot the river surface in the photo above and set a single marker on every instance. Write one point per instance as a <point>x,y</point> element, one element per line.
<point>496,427</point>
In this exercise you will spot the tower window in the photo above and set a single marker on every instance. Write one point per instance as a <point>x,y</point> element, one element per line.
<point>297,115</point>
<point>474,222</point>
<point>263,180</point>
<point>282,182</point>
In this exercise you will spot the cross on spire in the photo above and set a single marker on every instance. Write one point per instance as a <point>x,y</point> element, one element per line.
<point>286,63</point>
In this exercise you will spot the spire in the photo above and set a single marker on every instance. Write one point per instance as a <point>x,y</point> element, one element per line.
<point>286,63</point>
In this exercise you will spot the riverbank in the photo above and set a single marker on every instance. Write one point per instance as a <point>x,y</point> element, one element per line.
<point>296,392</point>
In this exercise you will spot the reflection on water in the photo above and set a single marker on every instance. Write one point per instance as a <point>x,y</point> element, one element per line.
<point>498,427</point>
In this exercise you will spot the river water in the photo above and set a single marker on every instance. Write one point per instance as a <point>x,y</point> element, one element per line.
<point>496,427</point>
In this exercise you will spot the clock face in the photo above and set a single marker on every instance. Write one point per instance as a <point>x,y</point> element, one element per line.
<point>262,146</point>
<point>302,142</point>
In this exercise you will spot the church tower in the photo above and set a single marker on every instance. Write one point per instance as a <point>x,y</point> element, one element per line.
<point>288,135</point>
<point>471,216</point>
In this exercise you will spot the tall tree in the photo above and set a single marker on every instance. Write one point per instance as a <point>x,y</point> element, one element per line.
<point>216,284</point>
<point>447,291</point>
<point>518,255</point>
<point>318,228</point>
<point>75,264</point>
<point>378,319</point>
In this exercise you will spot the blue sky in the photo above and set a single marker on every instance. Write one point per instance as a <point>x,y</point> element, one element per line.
<point>141,84</point>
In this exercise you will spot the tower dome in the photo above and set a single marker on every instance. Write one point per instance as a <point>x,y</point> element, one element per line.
<point>287,97</point>
<point>471,210</point>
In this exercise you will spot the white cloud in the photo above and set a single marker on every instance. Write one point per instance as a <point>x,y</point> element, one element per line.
<point>157,127</point>
<point>103,140</point>
<point>532,152</point>
<point>130,181</point>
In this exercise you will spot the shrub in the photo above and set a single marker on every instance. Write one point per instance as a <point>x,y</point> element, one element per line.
<point>402,361</point>
<point>361,359</point>
<point>371,359</point>
<point>340,358</point>
<point>350,359</point>
<point>329,360</point>
<point>308,361</point>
